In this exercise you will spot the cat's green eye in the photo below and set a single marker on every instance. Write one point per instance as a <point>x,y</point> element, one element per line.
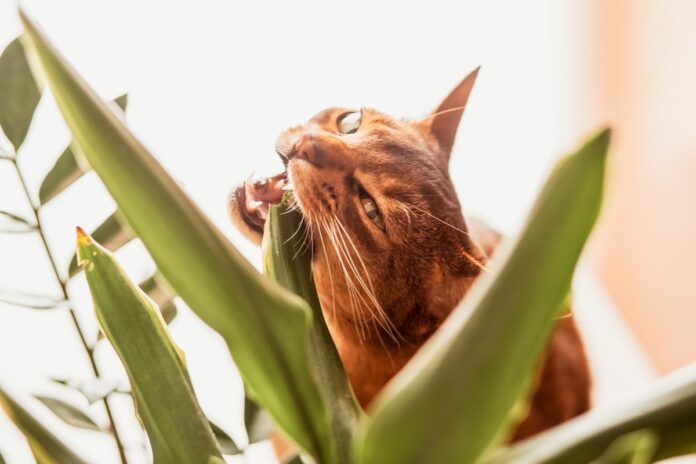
<point>349,123</point>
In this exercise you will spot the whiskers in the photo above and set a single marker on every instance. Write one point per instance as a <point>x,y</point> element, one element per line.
<point>449,110</point>
<point>362,298</point>
<point>473,260</point>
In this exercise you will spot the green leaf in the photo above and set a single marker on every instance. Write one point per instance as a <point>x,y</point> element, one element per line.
<point>157,289</point>
<point>19,93</point>
<point>45,446</point>
<point>177,428</point>
<point>68,168</point>
<point>30,301</point>
<point>288,262</point>
<point>264,326</point>
<point>668,409</point>
<point>112,234</point>
<point>633,448</point>
<point>16,218</point>
<point>257,422</point>
<point>226,443</point>
<point>93,389</point>
<point>456,397</point>
<point>70,414</point>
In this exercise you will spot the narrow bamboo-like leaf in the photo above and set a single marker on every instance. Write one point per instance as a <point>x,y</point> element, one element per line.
<point>93,389</point>
<point>226,443</point>
<point>177,428</point>
<point>19,93</point>
<point>112,234</point>
<point>16,218</point>
<point>157,289</point>
<point>70,414</point>
<point>668,409</point>
<point>455,398</point>
<point>162,295</point>
<point>633,448</point>
<point>257,422</point>
<point>45,446</point>
<point>68,168</point>
<point>265,327</point>
<point>31,301</point>
<point>288,262</point>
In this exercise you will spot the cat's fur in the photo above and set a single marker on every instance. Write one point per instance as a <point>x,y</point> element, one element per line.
<point>384,289</point>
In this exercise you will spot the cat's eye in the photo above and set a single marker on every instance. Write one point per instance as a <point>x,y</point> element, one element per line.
<point>349,123</point>
<point>372,211</point>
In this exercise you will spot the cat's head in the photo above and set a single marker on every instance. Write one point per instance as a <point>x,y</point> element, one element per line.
<point>391,251</point>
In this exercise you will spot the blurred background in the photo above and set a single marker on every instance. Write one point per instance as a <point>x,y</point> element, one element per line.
<point>212,83</point>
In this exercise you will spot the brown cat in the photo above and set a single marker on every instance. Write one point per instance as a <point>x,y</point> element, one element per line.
<point>392,253</point>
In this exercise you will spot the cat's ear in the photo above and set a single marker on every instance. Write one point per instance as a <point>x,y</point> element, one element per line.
<point>445,119</point>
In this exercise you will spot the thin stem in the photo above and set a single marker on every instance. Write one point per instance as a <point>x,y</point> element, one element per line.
<point>71,311</point>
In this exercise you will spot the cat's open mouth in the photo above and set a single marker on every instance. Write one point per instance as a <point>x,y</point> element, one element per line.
<point>255,196</point>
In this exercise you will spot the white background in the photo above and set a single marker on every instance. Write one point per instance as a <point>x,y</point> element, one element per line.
<point>211,85</point>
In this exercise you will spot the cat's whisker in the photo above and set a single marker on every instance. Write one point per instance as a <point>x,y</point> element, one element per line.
<point>326,257</point>
<point>391,329</point>
<point>331,234</point>
<point>468,256</point>
<point>449,110</point>
<point>381,316</point>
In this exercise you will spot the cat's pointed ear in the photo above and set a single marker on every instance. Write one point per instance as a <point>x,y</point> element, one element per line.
<point>445,119</point>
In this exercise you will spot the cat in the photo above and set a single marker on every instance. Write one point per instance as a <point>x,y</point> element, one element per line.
<point>392,252</point>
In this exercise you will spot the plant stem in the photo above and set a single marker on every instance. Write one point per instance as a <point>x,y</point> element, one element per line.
<point>73,315</point>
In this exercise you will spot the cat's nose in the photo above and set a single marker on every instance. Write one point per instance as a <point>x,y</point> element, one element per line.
<point>305,148</point>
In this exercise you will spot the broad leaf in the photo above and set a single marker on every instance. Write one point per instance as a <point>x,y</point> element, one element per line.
<point>19,93</point>
<point>457,396</point>
<point>668,409</point>
<point>70,414</point>
<point>68,168</point>
<point>166,404</point>
<point>288,262</point>
<point>112,234</point>
<point>264,326</point>
<point>45,446</point>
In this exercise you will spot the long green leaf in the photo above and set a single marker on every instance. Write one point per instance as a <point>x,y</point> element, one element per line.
<point>455,398</point>
<point>68,168</point>
<point>668,409</point>
<point>112,234</point>
<point>19,93</point>
<point>175,424</point>
<point>288,262</point>
<point>69,413</point>
<point>45,446</point>
<point>265,327</point>
<point>163,297</point>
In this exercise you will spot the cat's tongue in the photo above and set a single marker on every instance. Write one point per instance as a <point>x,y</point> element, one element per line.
<point>262,192</point>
